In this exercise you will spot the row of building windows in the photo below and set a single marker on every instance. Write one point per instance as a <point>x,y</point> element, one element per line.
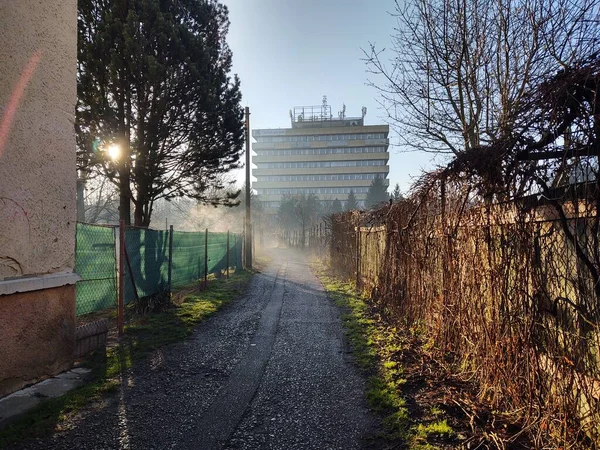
<point>322,137</point>
<point>323,190</point>
<point>327,177</point>
<point>325,203</point>
<point>320,151</point>
<point>318,164</point>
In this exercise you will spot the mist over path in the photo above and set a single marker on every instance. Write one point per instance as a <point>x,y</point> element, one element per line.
<point>268,371</point>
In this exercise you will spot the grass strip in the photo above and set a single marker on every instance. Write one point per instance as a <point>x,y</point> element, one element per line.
<point>142,336</point>
<point>377,350</point>
<point>374,347</point>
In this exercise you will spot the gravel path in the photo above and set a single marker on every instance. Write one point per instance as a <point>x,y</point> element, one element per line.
<point>268,372</point>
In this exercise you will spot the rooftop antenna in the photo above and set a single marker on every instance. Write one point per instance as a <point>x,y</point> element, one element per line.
<point>324,108</point>
<point>342,113</point>
<point>364,112</point>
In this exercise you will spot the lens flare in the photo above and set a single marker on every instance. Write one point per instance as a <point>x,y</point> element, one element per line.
<point>114,151</point>
<point>15,98</point>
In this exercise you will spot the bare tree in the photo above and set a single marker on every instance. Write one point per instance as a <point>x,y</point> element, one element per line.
<point>101,201</point>
<point>459,69</point>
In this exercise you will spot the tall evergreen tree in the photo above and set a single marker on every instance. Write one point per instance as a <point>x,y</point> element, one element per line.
<point>397,193</point>
<point>351,203</point>
<point>153,77</point>
<point>336,206</point>
<point>377,193</point>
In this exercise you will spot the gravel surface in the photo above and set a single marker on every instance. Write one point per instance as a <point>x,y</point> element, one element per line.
<point>267,372</point>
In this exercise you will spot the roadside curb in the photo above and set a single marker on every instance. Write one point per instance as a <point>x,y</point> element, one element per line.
<point>18,403</point>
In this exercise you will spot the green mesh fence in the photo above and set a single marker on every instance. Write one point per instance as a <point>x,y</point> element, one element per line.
<point>95,262</point>
<point>188,258</point>
<point>148,252</point>
<point>147,271</point>
<point>235,251</point>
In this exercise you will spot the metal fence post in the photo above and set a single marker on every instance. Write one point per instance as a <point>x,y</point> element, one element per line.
<point>170,271</point>
<point>121,302</point>
<point>227,253</point>
<point>206,258</point>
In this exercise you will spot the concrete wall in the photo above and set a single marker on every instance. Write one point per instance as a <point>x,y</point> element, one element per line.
<point>37,330</point>
<point>37,189</point>
<point>37,143</point>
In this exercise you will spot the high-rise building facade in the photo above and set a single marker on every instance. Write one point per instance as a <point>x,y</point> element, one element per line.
<point>319,155</point>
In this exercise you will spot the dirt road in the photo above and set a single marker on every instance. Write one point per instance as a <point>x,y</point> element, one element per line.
<point>268,372</point>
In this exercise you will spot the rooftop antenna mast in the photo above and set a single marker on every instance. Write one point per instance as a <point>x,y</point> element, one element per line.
<point>324,108</point>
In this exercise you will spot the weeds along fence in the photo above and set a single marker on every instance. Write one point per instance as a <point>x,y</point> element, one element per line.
<point>149,256</point>
<point>509,293</point>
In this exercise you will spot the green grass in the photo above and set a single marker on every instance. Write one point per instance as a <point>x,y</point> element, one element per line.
<point>142,336</point>
<point>376,349</point>
<point>439,428</point>
<point>422,433</point>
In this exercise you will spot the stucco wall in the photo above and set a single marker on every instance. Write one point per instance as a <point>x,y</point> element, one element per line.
<point>37,143</point>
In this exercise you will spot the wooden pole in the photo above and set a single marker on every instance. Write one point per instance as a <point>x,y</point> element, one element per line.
<point>248,236</point>
<point>121,300</point>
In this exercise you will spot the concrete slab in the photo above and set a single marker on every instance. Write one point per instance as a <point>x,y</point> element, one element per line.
<point>18,403</point>
<point>56,387</point>
<point>68,375</point>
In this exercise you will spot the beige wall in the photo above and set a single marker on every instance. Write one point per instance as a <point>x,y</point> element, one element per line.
<point>37,144</point>
<point>38,336</point>
<point>38,59</point>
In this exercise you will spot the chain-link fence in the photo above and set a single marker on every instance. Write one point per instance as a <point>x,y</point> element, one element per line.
<point>96,264</point>
<point>146,260</point>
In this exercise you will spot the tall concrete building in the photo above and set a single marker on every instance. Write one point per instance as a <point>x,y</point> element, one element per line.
<point>319,155</point>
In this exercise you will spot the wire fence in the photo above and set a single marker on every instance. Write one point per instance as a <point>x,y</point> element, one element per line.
<point>148,256</point>
<point>96,264</point>
<point>509,292</point>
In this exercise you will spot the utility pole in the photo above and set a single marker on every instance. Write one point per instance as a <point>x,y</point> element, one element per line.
<point>80,195</point>
<point>248,231</point>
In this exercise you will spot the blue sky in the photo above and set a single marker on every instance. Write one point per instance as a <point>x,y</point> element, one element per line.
<point>291,53</point>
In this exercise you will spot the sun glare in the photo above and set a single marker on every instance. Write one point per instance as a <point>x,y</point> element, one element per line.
<point>114,152</point>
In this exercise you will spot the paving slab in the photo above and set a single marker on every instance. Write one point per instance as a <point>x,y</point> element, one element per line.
<point>18,403</point>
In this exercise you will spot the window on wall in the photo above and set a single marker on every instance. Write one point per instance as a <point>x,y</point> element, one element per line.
<point>317,191</point>
<point>320,151</point>
<point>321,137</point>
<point>320,164</point>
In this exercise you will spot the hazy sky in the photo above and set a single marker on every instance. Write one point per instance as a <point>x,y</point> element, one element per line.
<point>292,52</point>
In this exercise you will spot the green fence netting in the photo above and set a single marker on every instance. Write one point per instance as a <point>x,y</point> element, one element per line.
<point>147,271</point>
<point>95,262</point>
<point>148,252</point>
<point>188,258</point>
<point>235,250</point>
